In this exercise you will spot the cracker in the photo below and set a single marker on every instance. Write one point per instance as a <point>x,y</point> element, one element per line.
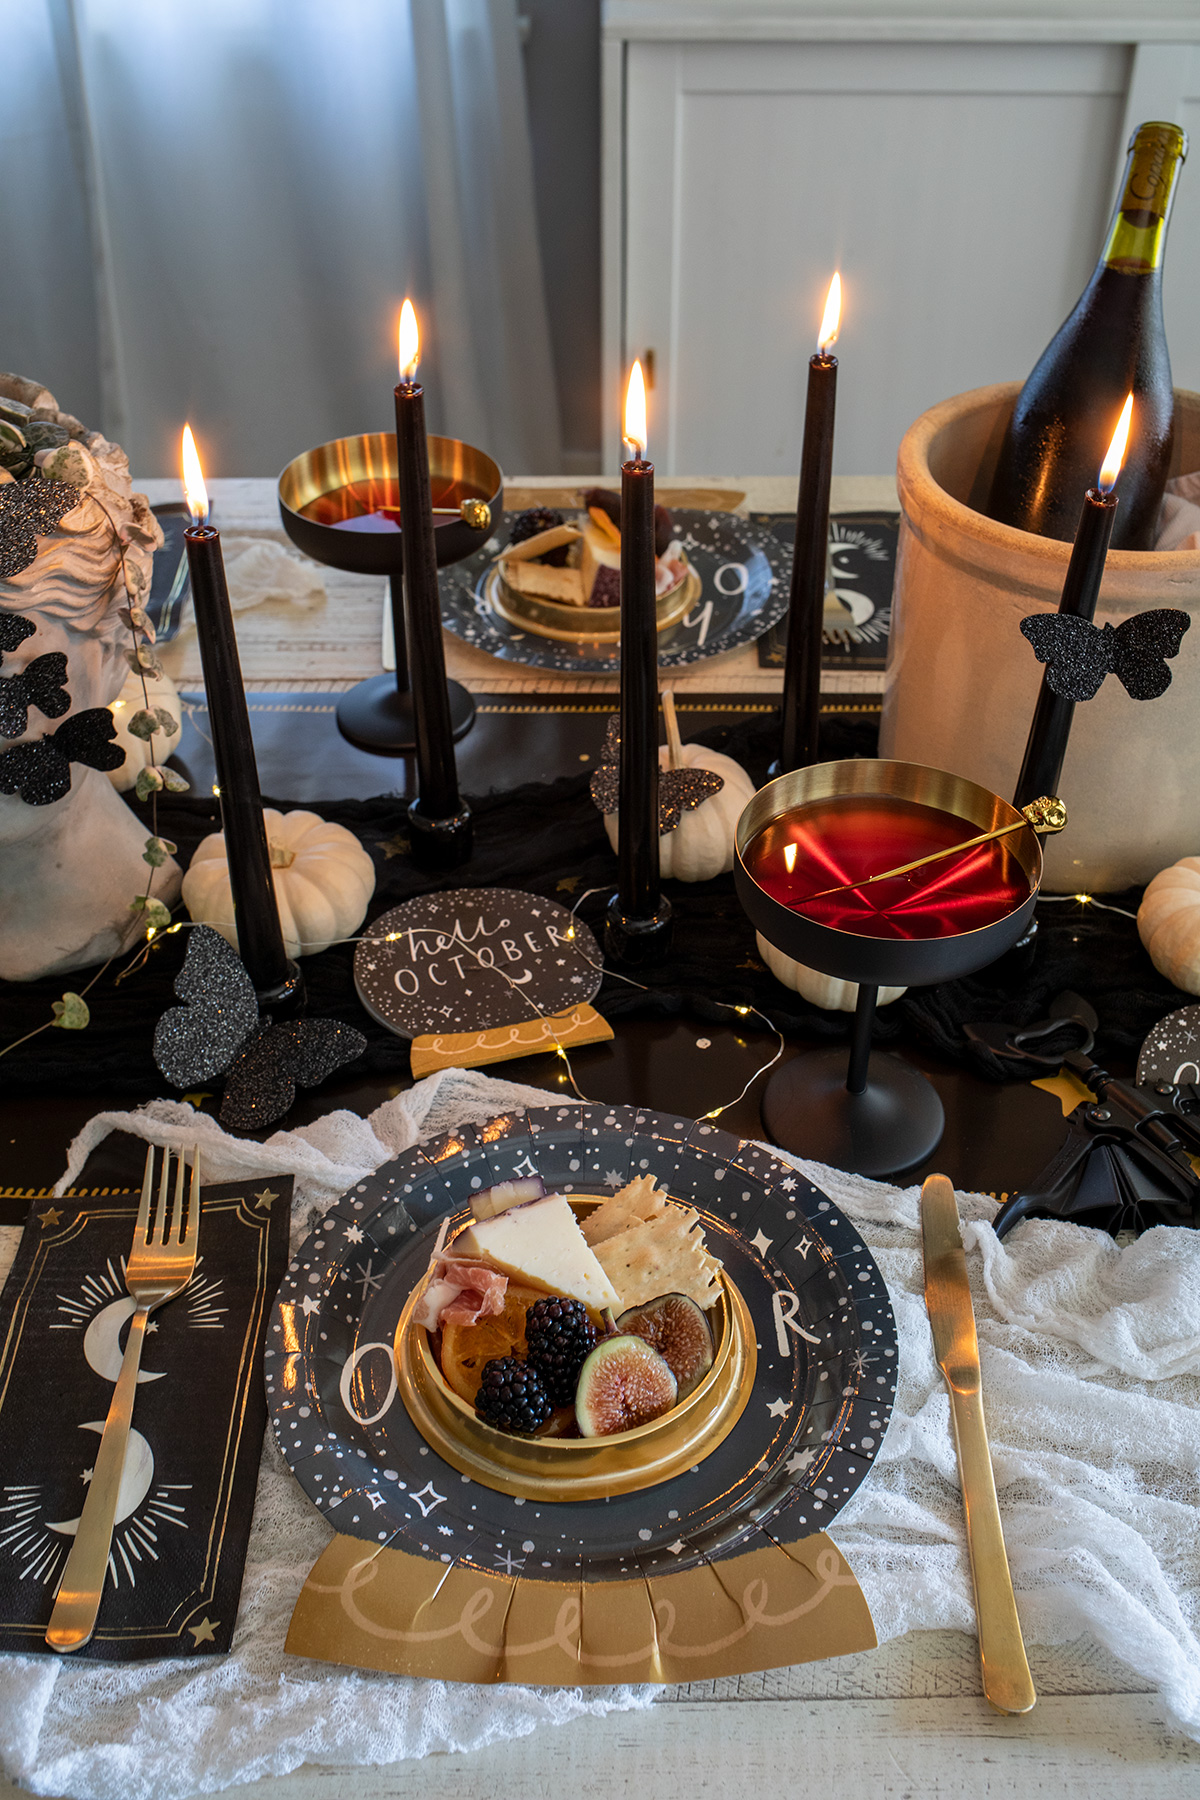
<point>662,1255</point>
<point>637,1201</point>
<point>543,582</point>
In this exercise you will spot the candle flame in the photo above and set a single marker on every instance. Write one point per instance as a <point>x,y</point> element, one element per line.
<point>832,317</point>
<point>789,857</point>
<point>194,490</point>
<point>1116,450</point>
<point>409,341</point>
<point>634,431</point>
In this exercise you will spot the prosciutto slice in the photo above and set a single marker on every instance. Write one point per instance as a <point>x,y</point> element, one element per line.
<point>460,1292</point>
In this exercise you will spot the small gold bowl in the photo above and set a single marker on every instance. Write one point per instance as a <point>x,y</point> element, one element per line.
<point>581,1468</point>
<point>459,475</point>
<point>591,624</point>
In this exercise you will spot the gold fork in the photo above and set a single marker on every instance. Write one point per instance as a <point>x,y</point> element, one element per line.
<point>160,1265</point>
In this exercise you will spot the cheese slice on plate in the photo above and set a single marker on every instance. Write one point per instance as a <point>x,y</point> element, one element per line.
<point>541,1243</point>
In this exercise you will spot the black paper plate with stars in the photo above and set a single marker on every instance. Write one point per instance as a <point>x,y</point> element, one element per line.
<point>823,1390</point>
<point>743,592</point>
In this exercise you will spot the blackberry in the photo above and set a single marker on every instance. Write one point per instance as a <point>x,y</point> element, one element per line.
<point>539,518</point>
<point>558,1335</point>
<point>606,589</point>
<point>512,1396</point>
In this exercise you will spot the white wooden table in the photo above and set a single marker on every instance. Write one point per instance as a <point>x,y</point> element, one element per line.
<point>905,1720</point>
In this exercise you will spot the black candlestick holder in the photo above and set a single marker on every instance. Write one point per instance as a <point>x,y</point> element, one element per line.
<point>877,1115</point>
<point>335,503</point>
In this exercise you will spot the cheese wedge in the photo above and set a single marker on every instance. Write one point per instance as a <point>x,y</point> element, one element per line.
<point>541,1243</point>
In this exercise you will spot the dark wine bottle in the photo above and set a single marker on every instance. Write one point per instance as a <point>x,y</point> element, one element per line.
<point>1113,342</point>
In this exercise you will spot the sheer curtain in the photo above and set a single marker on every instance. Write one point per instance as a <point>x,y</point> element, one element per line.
<point>222,202</point>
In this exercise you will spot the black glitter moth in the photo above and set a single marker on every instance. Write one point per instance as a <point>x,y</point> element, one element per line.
<point>219,1031</point>
<point>29,509</point>
<point>1078,655</point>
<point>40,772</point>
<point>679,790</point>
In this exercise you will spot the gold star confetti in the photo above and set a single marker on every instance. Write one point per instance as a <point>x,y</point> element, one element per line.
<point>395,846</point>
<point>568,884</point>
<point>205,1631</point>
<point>265,1199</point>
<point>51,1216</point>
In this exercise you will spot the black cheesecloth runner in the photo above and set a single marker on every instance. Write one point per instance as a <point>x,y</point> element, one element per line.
<point>549,839</point>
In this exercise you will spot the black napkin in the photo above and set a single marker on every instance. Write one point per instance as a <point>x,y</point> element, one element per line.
<point>179,1547</point>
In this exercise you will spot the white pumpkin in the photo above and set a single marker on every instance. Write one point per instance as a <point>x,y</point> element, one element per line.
<point>1168,923</point>
<point>702,844</point>
<point>323,877</point>
<point>821,990</point>
<point>141,752</point>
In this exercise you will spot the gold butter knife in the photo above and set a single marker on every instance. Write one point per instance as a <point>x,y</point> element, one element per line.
<point>1007,1683</point>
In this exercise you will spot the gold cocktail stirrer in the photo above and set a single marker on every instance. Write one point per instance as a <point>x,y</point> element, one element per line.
<point>1046,814</point>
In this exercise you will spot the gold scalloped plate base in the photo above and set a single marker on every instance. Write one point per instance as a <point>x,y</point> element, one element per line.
<point>581,1468</point>
<point>567,623</point>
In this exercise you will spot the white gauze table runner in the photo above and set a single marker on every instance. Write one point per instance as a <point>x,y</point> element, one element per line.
<point>1091,1371</point>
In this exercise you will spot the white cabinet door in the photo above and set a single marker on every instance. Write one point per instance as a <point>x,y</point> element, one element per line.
<point>962,190</point>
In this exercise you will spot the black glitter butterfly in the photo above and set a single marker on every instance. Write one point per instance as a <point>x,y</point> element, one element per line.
<point>40,772</point>
<point>42,683</point>
<point>14,629</point>
<point>1078,655</point>
<point>219,1031</point>
<point>679,790</point>
<point>29,508</point>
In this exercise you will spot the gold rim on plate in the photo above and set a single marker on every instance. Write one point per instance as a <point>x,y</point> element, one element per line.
<point>550,619</point>
<point>581,1468</point>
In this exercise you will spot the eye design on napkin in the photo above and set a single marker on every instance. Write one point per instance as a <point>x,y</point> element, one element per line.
<point>40,772</point>
<point>1079,655</point>
<point>219,1031</point>
<point>679,790</point>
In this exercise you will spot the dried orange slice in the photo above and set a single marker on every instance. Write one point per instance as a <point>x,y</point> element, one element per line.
<point>466,1348</point>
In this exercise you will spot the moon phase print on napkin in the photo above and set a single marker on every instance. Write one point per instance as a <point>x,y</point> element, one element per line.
<point>472,959</point>
<point>218,1031</point>
<point>1079,655</point>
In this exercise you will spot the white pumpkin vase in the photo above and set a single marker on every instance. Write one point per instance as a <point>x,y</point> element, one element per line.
<point>1168,923</point>
<point>821,990</point>
<point>702,843</point>
<point>160,691</point>
<point>324,880</point>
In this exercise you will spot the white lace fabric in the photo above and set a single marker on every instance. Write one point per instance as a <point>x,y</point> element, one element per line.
<point>1091,1370</point>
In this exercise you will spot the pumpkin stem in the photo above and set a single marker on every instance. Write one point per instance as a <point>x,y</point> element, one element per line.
<point>674,742</point>
<point>281,856</point>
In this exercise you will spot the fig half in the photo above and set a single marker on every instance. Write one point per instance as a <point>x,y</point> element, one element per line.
<point>623,1383</point>
<point>677,1328</point>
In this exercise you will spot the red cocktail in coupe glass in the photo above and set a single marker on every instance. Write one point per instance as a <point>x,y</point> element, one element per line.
<point>832,825</point>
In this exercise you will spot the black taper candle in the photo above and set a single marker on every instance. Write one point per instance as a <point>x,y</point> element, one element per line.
<point>1046,746</point>
<point>439,822</point>
<point>806,606</point>
<point>639,919</point>
<point>277,980</point>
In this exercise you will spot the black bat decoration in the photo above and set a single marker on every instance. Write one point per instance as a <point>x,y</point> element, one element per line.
<point>679,790</point>
<point>40,772</point>
<point>218,1031</point>
<point>1078,655</point>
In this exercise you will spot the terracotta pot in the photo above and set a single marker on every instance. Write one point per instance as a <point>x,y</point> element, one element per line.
<point>962,681</point>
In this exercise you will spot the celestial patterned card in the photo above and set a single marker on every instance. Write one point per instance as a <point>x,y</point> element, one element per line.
<point>187,1494</point>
